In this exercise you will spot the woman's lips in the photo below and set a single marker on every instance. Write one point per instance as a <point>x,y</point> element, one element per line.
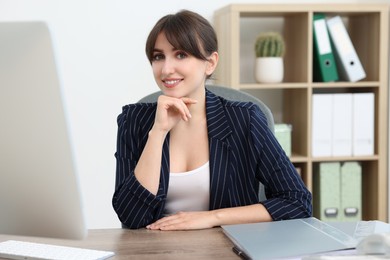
<point>171,83</point>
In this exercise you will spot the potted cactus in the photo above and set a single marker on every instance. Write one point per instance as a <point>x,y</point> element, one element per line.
<point>270,49</point>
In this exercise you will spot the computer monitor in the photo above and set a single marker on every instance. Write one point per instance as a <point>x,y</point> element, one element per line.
<point>39,192</point>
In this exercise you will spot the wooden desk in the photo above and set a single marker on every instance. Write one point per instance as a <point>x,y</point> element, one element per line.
<point>147,244</point>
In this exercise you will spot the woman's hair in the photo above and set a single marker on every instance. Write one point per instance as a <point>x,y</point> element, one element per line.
<point>187,31</point>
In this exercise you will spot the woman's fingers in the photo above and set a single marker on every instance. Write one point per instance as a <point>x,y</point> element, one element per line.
<point>176,106</point>
<point>187,102</point>
<point>185,221</point>
<point>171,110</point>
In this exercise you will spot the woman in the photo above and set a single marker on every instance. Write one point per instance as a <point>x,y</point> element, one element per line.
<point>194,160</point>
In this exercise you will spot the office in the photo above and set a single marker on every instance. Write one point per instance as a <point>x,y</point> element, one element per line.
<point>100,51</point>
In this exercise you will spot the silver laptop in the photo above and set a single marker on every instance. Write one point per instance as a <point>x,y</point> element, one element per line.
<point>287,238</point>
<point>39,194</point>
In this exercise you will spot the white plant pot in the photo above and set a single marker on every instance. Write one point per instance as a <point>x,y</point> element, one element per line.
<point>269,69</point>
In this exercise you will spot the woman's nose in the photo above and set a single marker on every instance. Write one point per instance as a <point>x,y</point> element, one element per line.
<point>168,66</point>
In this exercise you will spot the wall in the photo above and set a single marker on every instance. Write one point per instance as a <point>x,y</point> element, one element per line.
<point>102,64</point>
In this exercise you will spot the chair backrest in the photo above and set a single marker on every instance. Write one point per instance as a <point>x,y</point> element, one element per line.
<point>234,95</point>
<point>230,94</point>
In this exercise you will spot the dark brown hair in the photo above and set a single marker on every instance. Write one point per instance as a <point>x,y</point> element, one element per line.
<point>187,31</point>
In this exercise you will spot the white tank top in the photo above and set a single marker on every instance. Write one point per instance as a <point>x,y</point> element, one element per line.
<point>189,191</point>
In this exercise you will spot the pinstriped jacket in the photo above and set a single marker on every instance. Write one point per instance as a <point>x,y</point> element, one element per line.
<point>243,151</point>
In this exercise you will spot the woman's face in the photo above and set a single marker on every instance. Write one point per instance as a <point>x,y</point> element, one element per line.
<point>177,73</point>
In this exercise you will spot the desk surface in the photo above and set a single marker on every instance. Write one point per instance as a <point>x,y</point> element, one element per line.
<point>147,244</point>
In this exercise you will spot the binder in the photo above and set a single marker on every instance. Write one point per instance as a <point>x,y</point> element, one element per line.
<point>351,191</point>
<point>363,124</point>
<point>348,63</point>
<point>322,125</point>
<point>342,125</point>
<point>283,135</point>
<point>327,191</point>
<point>324,64</point>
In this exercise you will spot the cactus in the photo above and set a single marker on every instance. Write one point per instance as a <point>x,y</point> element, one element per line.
<point>270,44</point>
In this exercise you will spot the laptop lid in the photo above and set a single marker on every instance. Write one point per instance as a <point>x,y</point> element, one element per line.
<point>287,238</point>
<point>39,194</point>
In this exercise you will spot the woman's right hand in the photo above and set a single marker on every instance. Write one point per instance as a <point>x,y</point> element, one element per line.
<point>170,111</point>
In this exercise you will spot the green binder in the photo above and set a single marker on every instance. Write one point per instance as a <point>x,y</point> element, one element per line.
<point>326,197</point>
<point>351,191</point>
<point>283,135</point>
<point>324,64</point>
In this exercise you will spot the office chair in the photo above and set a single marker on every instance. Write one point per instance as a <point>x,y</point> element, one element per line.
<point>230,94</point>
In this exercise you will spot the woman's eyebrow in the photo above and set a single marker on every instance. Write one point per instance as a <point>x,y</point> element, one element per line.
<point>157,50</point>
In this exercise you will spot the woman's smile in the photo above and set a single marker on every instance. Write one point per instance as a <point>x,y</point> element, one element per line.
<point>171,83</point>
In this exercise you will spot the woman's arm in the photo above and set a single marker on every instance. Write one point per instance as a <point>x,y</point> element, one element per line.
<point>287,195</point>
<point>136,199</point>
<point>148,167</point>
<point>208,219</point>
<point>169,112</point>
<point>134,204</point>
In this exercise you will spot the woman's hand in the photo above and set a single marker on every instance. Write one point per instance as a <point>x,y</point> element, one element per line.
<point>171,110</point>
<point>185,221</point>
<point>208,219</point>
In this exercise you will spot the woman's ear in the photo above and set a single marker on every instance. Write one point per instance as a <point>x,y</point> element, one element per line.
<point>212,63</point>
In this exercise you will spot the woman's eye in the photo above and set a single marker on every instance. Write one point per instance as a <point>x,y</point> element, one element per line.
<point>158,56</point>
<point>181,55</point>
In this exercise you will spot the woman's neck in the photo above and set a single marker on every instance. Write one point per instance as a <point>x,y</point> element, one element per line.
<point>199,109</point>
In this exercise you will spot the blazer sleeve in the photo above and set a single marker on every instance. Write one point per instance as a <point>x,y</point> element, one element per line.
<point>135,206</point>
<point>287,195</point>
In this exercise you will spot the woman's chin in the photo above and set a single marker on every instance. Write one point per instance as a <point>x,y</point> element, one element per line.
<point>174,94</point>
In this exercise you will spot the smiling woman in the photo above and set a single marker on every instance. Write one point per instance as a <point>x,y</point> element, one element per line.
<point>194,160</point>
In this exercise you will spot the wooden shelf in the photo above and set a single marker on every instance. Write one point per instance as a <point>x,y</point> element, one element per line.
<point>238,25</point>
<point>345,159</point>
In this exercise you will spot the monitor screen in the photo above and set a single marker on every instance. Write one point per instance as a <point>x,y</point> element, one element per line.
<point>39,191</point>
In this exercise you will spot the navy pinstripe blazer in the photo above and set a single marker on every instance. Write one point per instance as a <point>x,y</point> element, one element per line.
<point>243,151</point>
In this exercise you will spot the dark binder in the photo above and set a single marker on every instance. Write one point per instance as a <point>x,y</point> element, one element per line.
<point>324,64</point>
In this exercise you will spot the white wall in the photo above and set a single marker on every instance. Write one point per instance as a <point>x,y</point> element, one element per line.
<point>100,50</point>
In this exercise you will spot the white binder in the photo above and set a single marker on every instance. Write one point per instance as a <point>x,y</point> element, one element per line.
<point>363,123</point>
<point>342,125</point>
<point>322,125</point>
<point>347,59</point>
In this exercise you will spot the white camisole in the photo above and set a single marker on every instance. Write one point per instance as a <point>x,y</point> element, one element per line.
<point>189,191</point>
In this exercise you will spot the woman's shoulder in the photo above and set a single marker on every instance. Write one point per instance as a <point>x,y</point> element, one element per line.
<point>137,112</point>
<point>230,103</point>
<point>243,105</point>
<point>139,106</point>
<point>247,107</point>
<point>245,112</point>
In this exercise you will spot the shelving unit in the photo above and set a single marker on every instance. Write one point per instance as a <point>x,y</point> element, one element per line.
<point>238,25</point>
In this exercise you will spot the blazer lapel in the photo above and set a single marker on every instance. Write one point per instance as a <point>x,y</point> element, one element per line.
<point>218,131</point>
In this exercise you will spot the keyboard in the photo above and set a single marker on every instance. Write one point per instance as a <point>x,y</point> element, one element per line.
<point>12,249</point>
